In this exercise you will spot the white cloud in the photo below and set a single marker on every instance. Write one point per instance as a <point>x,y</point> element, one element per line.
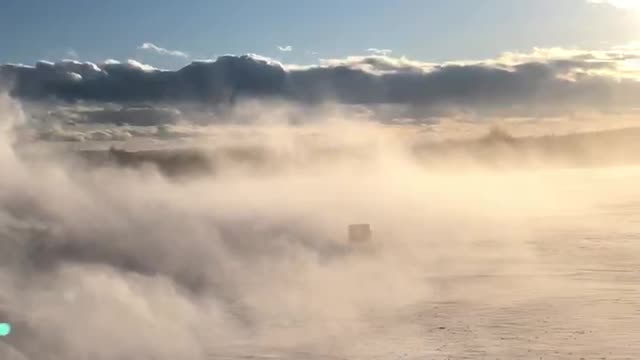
<point>287,48</point>
<point>379,64</point>
<point>162,51</point>
<point>71,54</point>
<point>381,52</point>
<point>132,64</point>
<point>623,4</point>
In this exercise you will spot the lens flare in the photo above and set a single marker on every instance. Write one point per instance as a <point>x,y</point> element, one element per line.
<point>5,329</point>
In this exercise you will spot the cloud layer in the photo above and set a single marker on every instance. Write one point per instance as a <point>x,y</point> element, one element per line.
<point>543,81</point>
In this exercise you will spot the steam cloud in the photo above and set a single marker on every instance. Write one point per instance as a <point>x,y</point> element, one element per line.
<point>111,263</point>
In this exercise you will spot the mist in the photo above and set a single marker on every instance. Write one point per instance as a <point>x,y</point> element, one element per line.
<point>103,261</point>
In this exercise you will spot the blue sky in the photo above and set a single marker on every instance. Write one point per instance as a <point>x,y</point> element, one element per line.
<point>428,30</point>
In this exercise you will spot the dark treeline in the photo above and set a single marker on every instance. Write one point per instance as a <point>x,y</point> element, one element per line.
<point>495,150</point>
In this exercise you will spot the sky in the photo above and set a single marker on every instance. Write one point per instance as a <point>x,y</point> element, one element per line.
<point>426,59</point>
<point>292,31</point>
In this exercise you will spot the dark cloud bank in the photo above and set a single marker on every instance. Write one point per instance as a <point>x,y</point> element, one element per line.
<point>539,85</point>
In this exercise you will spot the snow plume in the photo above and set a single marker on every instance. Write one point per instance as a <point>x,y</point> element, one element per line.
<point>115,263</point>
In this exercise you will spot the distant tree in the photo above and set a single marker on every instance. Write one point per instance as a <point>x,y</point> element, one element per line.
<point>498,133</point>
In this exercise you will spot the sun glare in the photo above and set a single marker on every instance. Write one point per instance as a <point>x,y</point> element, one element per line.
<point>624,4</point>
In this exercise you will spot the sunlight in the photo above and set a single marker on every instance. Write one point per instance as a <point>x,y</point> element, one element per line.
<point>624,4</point>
